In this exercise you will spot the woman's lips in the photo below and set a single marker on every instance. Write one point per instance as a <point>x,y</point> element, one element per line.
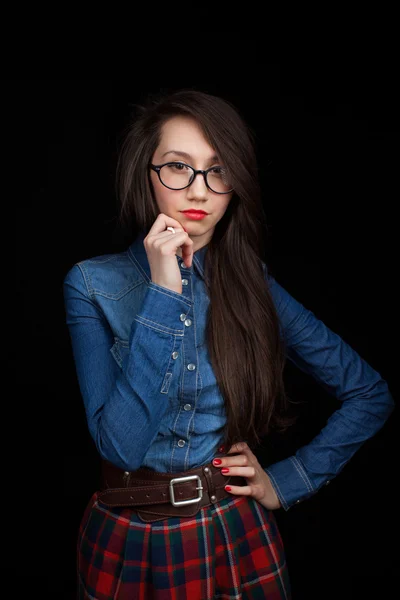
<point>196,216</point>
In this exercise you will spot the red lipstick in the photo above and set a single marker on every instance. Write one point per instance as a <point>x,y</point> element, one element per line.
<point>196,215</point>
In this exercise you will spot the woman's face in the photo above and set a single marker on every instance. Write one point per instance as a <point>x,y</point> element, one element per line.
<point>182,140</point>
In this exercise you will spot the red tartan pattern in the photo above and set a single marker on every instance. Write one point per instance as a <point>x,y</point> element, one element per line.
<point>231,550</point>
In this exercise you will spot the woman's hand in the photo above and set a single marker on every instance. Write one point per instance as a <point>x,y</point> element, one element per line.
<point>161,245</point>
<point>246,465</point>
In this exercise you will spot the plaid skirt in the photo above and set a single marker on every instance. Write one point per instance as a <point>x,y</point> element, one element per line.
<point>229,550</point>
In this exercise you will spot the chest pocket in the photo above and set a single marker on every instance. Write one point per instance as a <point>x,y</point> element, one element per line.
<point>120,350</point>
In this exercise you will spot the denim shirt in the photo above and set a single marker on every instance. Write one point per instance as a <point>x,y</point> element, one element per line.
<point>150,394</point>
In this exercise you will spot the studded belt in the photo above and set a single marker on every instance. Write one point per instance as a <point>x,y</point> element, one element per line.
<point>156,495</point>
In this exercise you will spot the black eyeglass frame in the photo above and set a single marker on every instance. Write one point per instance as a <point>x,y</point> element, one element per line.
<point>157,169</point>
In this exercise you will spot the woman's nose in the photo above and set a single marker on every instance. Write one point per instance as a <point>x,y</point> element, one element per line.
<point>198,187</point>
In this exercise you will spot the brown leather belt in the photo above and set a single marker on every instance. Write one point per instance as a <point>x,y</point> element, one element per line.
<point>163,495</point>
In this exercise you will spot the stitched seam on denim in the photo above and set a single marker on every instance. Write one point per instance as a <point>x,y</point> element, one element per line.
<point>185,461</point>
<point>121,342</point>
<point>121,294</point>
<point>86,279</point>
<point>138,266</point>
<point>181,396</point>
<point>166,383</point>
<point>302,473</point>
<point>198,265</point>
<point>176,420</point>
<point>192,420</point>
<point>180,297</point>
<point>178,332</point>
<point>168,375</point>
<point>116,354</point>
<point>278,491</point>
<point>141,318</point>
<point>196,396</point>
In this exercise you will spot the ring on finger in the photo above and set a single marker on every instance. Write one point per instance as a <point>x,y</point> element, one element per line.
<point>171,229</point>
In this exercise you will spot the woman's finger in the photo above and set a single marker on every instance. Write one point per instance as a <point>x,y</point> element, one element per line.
<point>165,235</point>
<point>247,472</point>
<point>168,236</point>
<point>240,490</point>
<point>160,235</point>
<point>162,222</point>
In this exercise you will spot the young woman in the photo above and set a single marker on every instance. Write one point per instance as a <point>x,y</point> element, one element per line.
<point>180,344</point>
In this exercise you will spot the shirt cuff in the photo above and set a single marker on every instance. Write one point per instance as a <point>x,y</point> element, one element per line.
<point>163,304</point>
<point>290,481</point>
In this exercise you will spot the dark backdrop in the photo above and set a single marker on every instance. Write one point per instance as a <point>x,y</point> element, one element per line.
<point>327,144</point>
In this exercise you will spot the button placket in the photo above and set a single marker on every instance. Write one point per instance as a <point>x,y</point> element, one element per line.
<point>188,392</point>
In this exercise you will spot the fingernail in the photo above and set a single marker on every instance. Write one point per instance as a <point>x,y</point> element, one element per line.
<point>217,461</point>
<point>225,470</point>
<point>228,488</point>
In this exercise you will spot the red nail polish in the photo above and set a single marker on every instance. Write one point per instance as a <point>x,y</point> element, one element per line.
<point>221,449</point>
<point>217,461</point>
<point>228,488</point>
<point>225,470</point>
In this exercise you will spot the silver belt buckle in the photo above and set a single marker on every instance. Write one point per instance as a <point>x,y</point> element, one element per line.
<point>181,479</point>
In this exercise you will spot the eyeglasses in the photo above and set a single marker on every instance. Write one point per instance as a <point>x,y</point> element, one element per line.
<point>178,176</point>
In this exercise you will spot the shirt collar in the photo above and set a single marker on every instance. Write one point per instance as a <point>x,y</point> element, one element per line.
<point>138,254</point>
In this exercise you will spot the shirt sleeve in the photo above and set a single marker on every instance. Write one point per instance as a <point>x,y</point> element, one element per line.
<point>124,407</point>
<point>341,371</point>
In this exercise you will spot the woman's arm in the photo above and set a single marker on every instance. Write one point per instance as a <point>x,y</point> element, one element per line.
<point>366,400</point>
<point>124,407</point>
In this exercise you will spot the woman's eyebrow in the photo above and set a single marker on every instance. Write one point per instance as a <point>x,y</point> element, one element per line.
<point>187,156</point>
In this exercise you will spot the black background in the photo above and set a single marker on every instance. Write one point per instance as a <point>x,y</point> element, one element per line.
<point>327,145</point>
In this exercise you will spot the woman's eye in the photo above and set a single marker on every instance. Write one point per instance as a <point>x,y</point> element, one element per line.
<point>178,166</point>
<point>220,171</point>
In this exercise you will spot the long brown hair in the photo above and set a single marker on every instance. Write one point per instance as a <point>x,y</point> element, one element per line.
<point>243,335</point>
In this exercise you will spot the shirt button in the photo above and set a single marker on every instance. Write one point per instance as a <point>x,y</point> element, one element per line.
<point>297,501</point>
<point>182,317</point>
<point>188,322</point>
<point>185,281</point>
<point>181,443</point>
<point>175,355</point>
<point>191,367</point>
<point>187,407</point>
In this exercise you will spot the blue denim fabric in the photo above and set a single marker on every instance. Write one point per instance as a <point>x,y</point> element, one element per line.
<point>149,390</point>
